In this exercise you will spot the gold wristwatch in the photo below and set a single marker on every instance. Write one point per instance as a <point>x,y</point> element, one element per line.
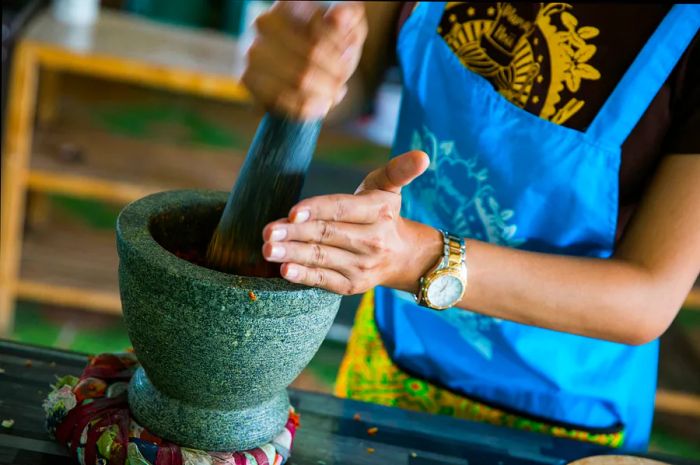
<point>444,285</point>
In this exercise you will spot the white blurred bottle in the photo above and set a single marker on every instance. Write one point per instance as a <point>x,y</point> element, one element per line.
<point>76,12</point>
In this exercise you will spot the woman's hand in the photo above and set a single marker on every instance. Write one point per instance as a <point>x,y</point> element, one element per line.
<point>351,243</point>
<point>304,55</point>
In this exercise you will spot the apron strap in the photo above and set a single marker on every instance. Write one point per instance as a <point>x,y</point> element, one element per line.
<point>647,74</point>
<point>431,12</point>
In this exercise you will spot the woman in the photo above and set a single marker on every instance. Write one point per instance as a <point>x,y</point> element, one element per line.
<point>554,146</point>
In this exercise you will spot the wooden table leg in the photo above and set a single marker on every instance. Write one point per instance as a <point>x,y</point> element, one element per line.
<point>38,210</point>
<point>46,110</point>
<point>680,403</point>
<point>47,100</point>
<point>15,168</point>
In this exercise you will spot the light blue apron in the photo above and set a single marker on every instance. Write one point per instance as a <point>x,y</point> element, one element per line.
<point>503,175</point>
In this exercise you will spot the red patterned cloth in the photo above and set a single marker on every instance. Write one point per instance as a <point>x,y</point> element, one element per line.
<point>90,415</point>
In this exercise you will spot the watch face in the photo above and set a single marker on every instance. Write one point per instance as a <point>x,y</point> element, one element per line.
<point>445,291</point>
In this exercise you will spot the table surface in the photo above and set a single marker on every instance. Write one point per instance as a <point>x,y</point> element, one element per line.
<point>133,38</point>
<point>329,434</point>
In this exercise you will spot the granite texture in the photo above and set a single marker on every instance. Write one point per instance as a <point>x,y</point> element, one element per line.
<point>218,350</point>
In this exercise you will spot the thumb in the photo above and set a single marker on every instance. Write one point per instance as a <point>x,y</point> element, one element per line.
<point>399,172</point>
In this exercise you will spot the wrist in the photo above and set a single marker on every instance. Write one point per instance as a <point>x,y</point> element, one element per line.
<point>422,249</point>
<point>445,284</point>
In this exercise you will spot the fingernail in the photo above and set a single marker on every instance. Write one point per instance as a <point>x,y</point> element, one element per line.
<point>300,216</point>
<point>277,251</point>
<point>291,272</point>
<point>278,234</point>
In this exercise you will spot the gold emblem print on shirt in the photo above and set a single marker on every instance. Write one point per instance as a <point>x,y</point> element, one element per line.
<point>535,55</point>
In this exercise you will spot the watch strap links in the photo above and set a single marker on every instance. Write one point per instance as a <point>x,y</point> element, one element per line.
<point>453,256</point>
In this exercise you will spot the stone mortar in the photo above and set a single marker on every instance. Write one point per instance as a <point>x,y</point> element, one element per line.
<point>217,350</point>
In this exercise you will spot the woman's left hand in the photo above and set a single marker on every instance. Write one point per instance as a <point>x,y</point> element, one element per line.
<point>350,243</point>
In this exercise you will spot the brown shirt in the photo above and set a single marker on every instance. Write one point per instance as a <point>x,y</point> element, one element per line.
<point>565,64</point>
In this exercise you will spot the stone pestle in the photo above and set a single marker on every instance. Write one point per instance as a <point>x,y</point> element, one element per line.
<point>268,185</point>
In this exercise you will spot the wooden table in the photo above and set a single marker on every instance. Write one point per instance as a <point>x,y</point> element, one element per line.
<point>328,435</point>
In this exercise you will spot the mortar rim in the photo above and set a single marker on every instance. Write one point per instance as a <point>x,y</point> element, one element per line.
<point>133,231</point>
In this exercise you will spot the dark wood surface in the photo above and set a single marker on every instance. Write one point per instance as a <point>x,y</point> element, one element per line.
<point>329,434</point>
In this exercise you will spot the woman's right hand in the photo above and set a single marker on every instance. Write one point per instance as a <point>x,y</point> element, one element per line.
<point>304,55</point>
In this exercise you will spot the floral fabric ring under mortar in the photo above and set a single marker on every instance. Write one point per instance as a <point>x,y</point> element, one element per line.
<point>90,415</point>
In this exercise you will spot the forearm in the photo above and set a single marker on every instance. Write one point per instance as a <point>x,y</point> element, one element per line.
<point>608,299</point>
<point>631,297</point>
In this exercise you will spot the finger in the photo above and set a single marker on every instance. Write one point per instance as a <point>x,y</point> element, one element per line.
<point>345,27</point>
<point>302,44</point>
<point>299,12</point>
<point>347,236</point>
<point>346,208</point>
<point>311,255</point>
<point>344,16</point>
<point>344,24</point>
<point>264,56</point>
<point>273,93</point>
<point>399,172</point>
<point>326,279</point>
<point>341,24</point>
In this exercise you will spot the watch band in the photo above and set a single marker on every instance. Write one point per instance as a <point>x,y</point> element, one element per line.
<point>455,249</point>
<point>453,256</point>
